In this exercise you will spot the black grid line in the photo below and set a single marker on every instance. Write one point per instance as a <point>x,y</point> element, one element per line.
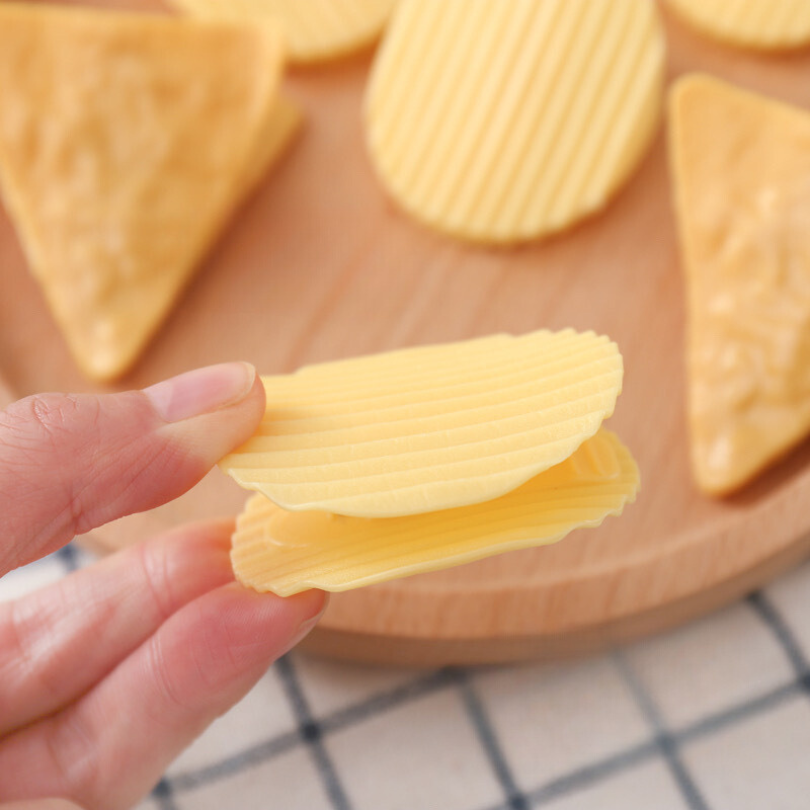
<point>236,763</point>
<point>515,800</point>
<point>774,621</point>
<point>406,693</point>
<point>342,718</point>
<point>563,785</point>
<point>312,734</point>
<point>69,557</point>
<point>665,741</point>
<point>614,764</point>
<point>586,776</point>
<point>162,795</point>
<point>738,714</point>
<point>593,773</point>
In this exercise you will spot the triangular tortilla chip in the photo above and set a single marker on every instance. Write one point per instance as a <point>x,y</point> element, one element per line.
<point>281,124</point>
<point>125,142</point>
<point>316,30</point>
<point>742,176</point>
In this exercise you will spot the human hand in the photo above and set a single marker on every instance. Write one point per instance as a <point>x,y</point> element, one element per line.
<point>106,676</point>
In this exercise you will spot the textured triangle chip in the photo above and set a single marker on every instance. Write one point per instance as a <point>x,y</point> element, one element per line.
<point>428,428</point>
<point>504,121</point>
<point>316,30</point>
<point>288,552</point>
<point>760,24</point>
<point>280,125</point>
<point>125,143</point>
<point>742,172</point>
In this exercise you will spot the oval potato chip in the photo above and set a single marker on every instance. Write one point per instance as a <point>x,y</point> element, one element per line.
<point>287,552</point>
<point>428,428</point>
<point>761,24</point>
<point>316,30</point>
<point>504,121</point>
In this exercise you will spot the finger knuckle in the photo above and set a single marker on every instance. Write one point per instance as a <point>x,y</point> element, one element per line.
<point>73,749</point>
<point>49,437</point>
<point>170,699</point>
<point>44,421</point>
<point>154,564</point>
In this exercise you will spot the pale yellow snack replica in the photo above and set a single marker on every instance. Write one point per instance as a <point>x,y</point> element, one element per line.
<point>760,24</point>
<point>506,121</point>
<point>315,30</point>
<point>126,141</point>
<point>741,164</point>
<point>384,466</point>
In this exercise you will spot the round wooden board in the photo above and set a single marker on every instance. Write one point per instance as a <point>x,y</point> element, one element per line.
<point>320,265</point>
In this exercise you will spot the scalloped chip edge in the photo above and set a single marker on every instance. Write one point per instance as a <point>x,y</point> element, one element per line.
<point>428,428</point>
<point>288,552</point>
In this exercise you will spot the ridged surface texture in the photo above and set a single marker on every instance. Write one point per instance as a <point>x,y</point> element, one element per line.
<point>428,428</point>
<point>504,121</point>
<point>765,24</point>
<point>288,552</point>
<point>742,176</point>
<point>124,147</point>
<point>315,29</point>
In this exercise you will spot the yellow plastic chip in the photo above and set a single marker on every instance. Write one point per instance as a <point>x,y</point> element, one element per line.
<point>742,175</point>
<point>428,428</point>
<point>316,30</point>
<point>126,141</point>
<point>761,24</point>
<point>287,552</point>
<point>504,121</point>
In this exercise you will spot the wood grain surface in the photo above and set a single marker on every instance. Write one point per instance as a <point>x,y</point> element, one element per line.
<point>320,265</point>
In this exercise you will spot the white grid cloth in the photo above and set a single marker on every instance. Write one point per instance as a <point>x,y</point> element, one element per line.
<point>713,716</point>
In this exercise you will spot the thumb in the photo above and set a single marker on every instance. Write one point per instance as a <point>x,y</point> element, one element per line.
<point>70,463</point>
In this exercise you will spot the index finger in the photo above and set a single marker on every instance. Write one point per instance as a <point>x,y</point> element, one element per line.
<point>71,463</point>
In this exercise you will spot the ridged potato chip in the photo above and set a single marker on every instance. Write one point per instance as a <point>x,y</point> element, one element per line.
<point>316,30</point>
<point>428,428</point>
<point>505,121</point>
<point>741,164</point>
<point>126,141</point>
<point>287,552</point>
<point>760,24</point>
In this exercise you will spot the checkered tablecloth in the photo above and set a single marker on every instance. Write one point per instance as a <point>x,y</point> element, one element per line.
<point>715,715</point>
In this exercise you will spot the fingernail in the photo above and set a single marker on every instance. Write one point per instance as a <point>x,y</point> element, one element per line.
<point>307,625</point>
<point>201,391</point>
<point>302,632</point>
